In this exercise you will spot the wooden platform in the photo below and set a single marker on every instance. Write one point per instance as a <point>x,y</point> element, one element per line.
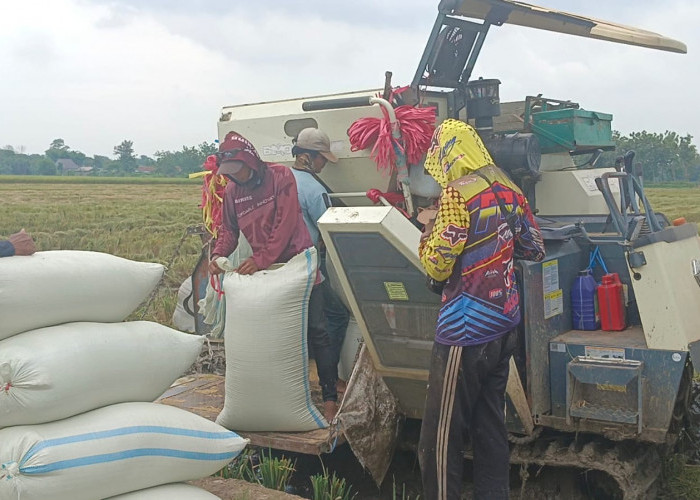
<point>203,394</point>
<point>632,336</point>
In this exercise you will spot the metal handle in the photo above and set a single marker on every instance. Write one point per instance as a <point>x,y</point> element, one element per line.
<point>345,102</point>
<point>355,102</point>
<point>603,185</point>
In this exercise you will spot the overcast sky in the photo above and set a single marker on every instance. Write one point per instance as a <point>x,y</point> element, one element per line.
<point>96,72</point>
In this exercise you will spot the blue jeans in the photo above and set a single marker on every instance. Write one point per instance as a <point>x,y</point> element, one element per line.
<point>321,346</point>
<point>337,315</point>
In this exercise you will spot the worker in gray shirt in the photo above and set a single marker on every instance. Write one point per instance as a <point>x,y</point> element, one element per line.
<point>312,150</point>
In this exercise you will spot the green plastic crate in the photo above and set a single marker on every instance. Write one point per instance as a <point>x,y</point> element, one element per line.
<point>572,130</point>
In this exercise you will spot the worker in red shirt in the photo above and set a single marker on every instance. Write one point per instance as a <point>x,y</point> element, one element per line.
<point>17,244</point>
<point>261,202</point>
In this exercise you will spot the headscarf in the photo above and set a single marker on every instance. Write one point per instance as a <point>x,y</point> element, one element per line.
<point>246,151</point>
<point>455,151</point>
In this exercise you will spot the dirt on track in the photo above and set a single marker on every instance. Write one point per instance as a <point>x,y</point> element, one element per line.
<point>237,489</point>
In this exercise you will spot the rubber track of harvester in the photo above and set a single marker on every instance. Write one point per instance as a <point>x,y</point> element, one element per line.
<point>634,466</point>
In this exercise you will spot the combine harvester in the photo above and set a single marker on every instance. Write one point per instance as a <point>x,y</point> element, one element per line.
<point>607,403</point>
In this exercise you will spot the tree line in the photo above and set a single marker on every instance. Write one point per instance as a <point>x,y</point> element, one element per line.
<point>666,157</point>
<point>663,157</point>
<point>124,163</point>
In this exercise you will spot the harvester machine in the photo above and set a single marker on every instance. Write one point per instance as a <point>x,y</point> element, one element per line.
<point>607,402</point>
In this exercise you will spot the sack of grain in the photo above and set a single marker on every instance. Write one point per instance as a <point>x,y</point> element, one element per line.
<point>110,451</point>
<point>59,371</point>
<point>182,319</point>
<point>178,491</point>
<point>267,384</point>
<point>62,286</point>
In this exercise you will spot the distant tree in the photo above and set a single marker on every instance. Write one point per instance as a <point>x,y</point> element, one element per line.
<point>207,148</point>
<point>59,144</point>
<point>58,150</point>
<point>77,156</point>
<point>20,165</point>
<point>17,163</point>
<point>184,162</point>
<point>146,160</point>
<point>114,168</point>
<point>44,167</point>
<point>125,151</point>
<point>99,162</point>
<point>6,157</point>
<point>663,157</point>
<point>125,156</point>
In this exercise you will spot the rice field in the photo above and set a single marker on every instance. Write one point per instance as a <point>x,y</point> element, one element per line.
<point>145,219</point>
<point>676,202</point>
<point>139,221</point>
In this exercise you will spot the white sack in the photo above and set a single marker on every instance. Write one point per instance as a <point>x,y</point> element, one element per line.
<point>178,491</point>
<point>267,382</point>
<point>62,286</point>
<point>110,451</point>
<point>60,371</point>
<point>182,320</point>
<point>212,307</point>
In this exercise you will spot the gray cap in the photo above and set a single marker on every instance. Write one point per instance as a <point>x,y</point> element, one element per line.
<point>314,139</point>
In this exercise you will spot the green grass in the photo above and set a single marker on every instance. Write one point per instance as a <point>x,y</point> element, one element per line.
<point>680,481</point>
<point>676,184</point>
<point>81,179</point>
<point>240,468</point>
<point>400,495</point>
<point>676,202</point>
<point>327,486</point>
<point>271,472</point>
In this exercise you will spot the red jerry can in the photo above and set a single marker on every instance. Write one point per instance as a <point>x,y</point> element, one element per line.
<point>611,303</point>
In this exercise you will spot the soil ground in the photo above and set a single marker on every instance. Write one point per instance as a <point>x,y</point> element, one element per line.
<point>237,489</point>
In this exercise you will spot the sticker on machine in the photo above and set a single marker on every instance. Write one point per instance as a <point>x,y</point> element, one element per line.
<point>604,353</point>
<point>553,304</point>
<point>550,276</point>
<point>396,290</point>
<point>557,347</point>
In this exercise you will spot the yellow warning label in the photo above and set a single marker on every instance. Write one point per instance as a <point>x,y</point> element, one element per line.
<point>553,304</point>
<point>611,387</point>
<point>395,290</point>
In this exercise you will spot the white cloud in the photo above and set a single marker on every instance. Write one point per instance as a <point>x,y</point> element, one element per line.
<point>95,73</point>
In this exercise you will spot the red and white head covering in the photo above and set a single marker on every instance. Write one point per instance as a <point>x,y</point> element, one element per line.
<point>234,149</point>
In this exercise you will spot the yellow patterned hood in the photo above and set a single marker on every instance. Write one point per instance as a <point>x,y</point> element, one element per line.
<point>455,151</point>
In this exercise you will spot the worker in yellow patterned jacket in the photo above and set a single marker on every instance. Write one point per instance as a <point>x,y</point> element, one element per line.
<point>483,222</point>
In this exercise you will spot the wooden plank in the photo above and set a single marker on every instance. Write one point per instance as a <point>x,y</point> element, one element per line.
<point>632,336</point>
<point>203,394</point>
<point>313,442</point>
